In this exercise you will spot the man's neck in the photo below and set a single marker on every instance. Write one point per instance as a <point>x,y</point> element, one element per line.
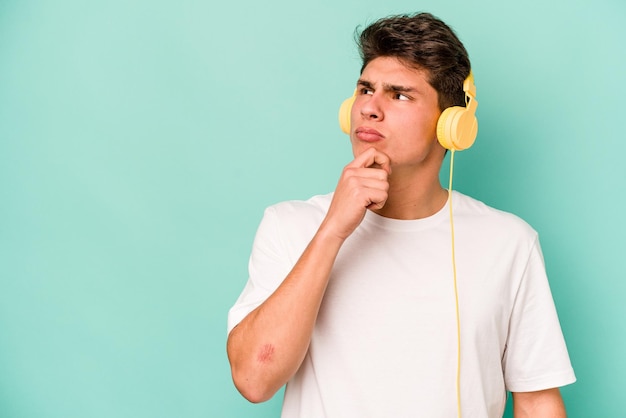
<point>414,196</point>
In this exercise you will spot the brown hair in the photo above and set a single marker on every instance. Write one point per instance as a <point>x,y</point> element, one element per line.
<point>423,42</point>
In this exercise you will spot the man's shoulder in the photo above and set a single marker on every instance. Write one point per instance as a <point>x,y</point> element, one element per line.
<point>316,203</point>
<point>474,210</point>
<point>310,210</point>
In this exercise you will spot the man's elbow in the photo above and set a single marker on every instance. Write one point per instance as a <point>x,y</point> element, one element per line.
<point>251,378</point>
<point>255,390</point>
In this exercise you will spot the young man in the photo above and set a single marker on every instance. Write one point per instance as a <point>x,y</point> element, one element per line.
<point>350,299</point>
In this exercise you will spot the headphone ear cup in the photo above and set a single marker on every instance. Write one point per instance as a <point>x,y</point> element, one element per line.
<point>345,111</point>
<point>457,128</point>
<point>444,124</point>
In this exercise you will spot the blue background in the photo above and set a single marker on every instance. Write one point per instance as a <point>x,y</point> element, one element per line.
<point>140,142</point>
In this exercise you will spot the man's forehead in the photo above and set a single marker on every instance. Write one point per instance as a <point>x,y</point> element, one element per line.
<point>392,70</point>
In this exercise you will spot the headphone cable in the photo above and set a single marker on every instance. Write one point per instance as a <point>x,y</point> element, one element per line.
<point>456,292</point>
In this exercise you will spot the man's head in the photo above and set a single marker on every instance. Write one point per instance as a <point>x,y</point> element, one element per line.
<point>421,42</point>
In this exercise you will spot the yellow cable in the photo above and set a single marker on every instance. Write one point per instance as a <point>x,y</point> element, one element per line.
<point>456,293</point>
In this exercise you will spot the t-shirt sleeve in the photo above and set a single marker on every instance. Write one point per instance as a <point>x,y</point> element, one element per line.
<point>268,266</point>
<point>536,356</point>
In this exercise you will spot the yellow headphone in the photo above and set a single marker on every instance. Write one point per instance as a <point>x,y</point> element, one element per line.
<point>457,125</point>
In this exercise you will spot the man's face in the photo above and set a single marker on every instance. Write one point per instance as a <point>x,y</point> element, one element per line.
<point>396,112</point>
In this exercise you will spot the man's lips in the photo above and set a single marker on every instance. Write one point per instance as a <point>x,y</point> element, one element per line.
<point>368,134</point>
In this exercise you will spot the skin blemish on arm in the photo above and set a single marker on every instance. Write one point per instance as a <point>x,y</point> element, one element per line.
<point>265,354</point>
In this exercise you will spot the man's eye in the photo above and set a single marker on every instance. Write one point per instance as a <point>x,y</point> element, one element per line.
<point>365,90</point>
<point>400,96</point>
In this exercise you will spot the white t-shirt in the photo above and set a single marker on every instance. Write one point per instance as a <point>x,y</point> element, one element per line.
<point>385,340</point>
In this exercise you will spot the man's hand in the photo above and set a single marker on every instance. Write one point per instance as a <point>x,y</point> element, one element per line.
<point>363,185</point>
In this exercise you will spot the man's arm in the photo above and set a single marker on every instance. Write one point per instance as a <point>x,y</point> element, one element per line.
<point>267,347</point>
<point>540,404</point>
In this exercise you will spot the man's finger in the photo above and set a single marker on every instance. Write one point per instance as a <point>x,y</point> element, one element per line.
<point>371,157</point>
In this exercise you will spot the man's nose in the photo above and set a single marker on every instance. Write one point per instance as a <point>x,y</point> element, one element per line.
<point>371,108</point>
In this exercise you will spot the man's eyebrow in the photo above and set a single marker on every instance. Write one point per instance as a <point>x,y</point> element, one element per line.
<point>397,88</point>
<point>365,83</point>
<point>387,87</point>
